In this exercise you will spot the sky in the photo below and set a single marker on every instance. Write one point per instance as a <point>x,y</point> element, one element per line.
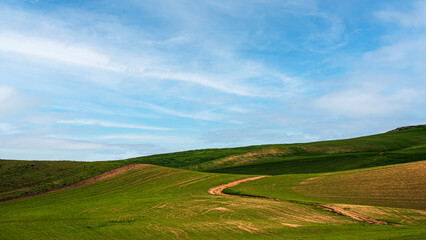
<point>100,80</point>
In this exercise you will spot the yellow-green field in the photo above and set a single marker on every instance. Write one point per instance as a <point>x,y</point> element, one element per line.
<point>151,202</point>
<point>145,201</point>
<point>401,185</point>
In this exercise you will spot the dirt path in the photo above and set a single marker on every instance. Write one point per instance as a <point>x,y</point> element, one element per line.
<point>99,177</point>
<point>218,190</point>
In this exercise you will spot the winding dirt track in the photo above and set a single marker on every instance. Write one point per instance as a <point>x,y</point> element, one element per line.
<point>218,190</point>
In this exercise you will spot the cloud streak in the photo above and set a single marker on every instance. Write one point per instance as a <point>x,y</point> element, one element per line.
<point>416,17</point>
<point>55,50</point>
<point>201,116</point>
<point>366,101</point>
<point>111,124</point>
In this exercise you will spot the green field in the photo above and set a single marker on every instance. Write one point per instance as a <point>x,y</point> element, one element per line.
<point>165,196</point>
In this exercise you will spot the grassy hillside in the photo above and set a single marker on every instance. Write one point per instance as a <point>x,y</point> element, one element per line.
<point>157,202</point>
<point>23,177</point>
<point>19,178</point>
<point>191,160</point>
<point>323,163</point>
<point>377,150</point>
<point>408,145</point>
<point>151,202</point>
<point>401,185</point>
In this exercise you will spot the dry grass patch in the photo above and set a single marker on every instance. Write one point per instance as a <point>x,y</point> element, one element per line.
<point>399,185</point>
<point>395,215</point>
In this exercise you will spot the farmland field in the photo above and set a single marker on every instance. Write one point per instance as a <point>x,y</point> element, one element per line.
<point>379,177</point>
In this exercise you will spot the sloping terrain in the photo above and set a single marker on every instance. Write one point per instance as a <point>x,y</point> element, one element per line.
<point>219,190</point>
<point>405,145</point>
<point>18,178</point>
<point>151,202</point>
<point>398,186</point>
<point>401,185</point>
<point>379,177</point>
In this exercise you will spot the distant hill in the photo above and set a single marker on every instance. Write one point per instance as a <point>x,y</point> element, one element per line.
<point>406,144</point>
<point>401,145</point>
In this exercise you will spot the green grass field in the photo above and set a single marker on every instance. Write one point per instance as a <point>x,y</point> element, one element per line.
<point>380,176</point>
<point>398,186</point>
<point>153,202</point>
<point>23,177</point>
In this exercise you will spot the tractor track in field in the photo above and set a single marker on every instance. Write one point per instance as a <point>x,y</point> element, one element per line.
<point>96,178</point>
<point>218,190</point>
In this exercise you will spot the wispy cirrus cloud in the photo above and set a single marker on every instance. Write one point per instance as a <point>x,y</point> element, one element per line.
<point>202,116</point>
<point>368,100</point>
<point>405,54</point>
<point>388,80</point>
<point>11,101</point>
<point>414,17</point>
<point>56,51</point>
<point>6,128</point>
<point>153,139</point>
<point>102,123</point>
<point>62,148</point>
<point>145,77</point>
<point>51,142</point>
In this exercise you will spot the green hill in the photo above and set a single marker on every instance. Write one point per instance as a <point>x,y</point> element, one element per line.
<point>24,177</point>
<point>151,202</point>
<point>393,147</point>
<point>399,185</point>
<point>406,145</point>
<point>165,196</point>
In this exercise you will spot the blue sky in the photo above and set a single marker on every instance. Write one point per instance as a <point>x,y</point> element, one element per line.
<point>100,80</point>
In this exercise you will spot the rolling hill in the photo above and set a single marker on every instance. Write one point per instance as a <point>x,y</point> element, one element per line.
<point>165,196</point>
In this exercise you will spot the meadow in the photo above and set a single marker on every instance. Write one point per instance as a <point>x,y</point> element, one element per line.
<point>166,196</point>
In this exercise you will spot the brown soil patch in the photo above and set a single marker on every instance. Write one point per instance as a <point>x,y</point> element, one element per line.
<point>96,178</point>
<point>221,209</point>
<point>291,225</point>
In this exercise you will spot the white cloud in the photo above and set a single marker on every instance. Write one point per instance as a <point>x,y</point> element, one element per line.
<point>53,37</point>
<point>389,79</point>
<point>33,142</point>
<point>6,92</point>
<point>110,124</point>
<point>365,101</point>
<point>57,148</point>
<point>414,18</point>
<point>405,54</point>
<point>55,50</point>
<point>12,101</point>
<point>149,138</point>
<point>202,116</point>
<point>131,136</point>
<point>6,128</point>
<point>217,82</point>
